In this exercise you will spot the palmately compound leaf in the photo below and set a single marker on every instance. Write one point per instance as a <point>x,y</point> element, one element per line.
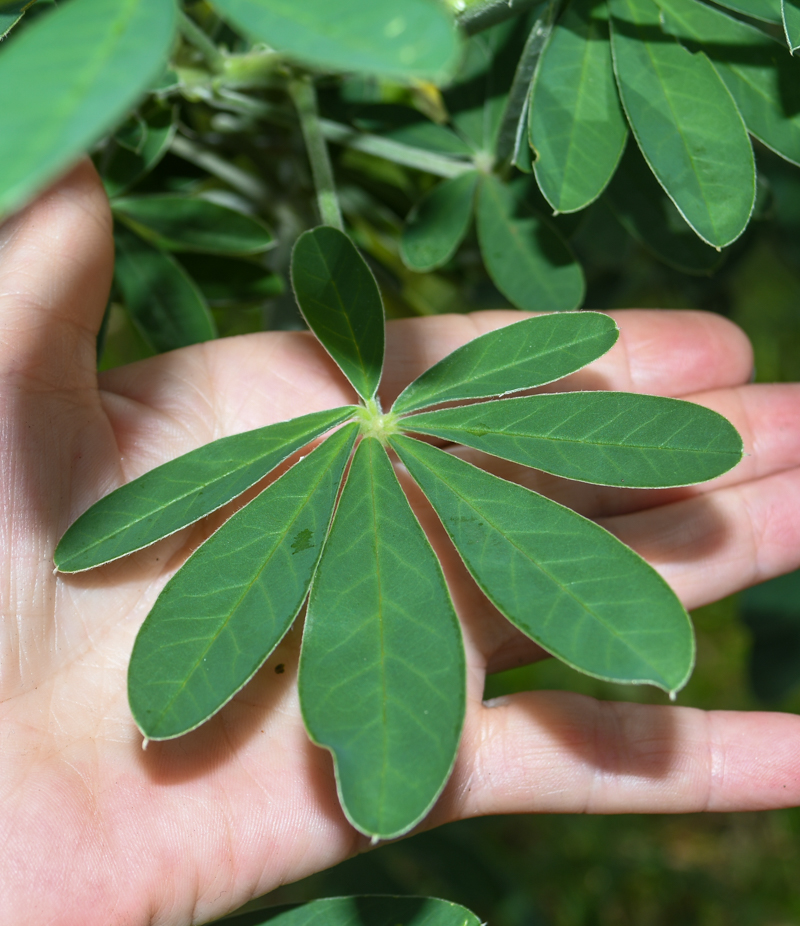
<point>527,259</point>
<point>685,122</point>
<point>180,492</point>
<point>340,300</point>
<point>791,24</point>
<point>403,39</point>
<point>68,78</point>
<point>528,353</point>
<point>577,127</point>
<point>365,911</point>
<point>561,579</point>
<point>763,80</point>
<point>605,438</point>
<point>188,223</point>
<point>382,670</point>
<point>163,301</point>
<point>438,223</point>
<point>230,604</point>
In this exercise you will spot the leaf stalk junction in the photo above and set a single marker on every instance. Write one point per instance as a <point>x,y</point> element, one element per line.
<point>376,423</point>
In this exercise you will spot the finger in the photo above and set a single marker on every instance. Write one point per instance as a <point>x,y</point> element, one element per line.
<point>558,752</point>
<point>56,261</point>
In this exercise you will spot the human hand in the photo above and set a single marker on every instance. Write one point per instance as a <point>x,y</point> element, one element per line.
<point>93,829</point>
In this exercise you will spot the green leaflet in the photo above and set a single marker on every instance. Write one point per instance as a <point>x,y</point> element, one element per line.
<point>230,604</point>
<point>685,123</point>
<point>408,126</point>
<point>382,670</point>
<point>397,38</point>
<point>340,300</point>
<point>649,215</point>
<point>564,581</point>
<point>180,492</point>
<point>577,127</point>
<point>763,80</point>
<point>68,78</point>
<point>438,223</point>
<point>529,262</point>
<point>11,13</point>
<point>186,223</point>
<point>163,301</point>
<point>520,356</point>
<point>606,438</point>
<point>791,23</point>
<point>766,10</point>
<point>120,167</point>
<point>362,911</point>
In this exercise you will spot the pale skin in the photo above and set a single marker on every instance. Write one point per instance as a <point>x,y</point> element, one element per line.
<point>94,830</point>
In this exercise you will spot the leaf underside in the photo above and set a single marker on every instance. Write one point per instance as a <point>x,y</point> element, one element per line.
<point>180,492</point>
<point>382,671</point>
<point>528,353</point>
<point>565,582</point>
<point>605,438</point>
<point>230,604</point>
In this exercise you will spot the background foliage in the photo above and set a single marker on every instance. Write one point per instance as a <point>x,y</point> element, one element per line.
<point>226,127</point>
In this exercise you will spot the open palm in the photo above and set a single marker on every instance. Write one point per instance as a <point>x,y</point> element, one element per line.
<point>94,830</point>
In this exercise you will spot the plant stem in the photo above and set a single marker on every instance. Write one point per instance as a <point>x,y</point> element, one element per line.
<point>305,100</point>
<point>477,15</point>
<point>195,36</point>
<point>245,183</point>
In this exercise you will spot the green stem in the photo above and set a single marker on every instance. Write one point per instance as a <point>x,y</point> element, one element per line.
<point>245,183</point>
<point>195,36</point>
<point>305,100</point>
<point>477,15</point>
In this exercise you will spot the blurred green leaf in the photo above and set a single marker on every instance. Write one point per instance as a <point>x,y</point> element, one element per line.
<point>649,215</point>
<point>763,80</point>
<point>11,13</point>
<point>765,10</point>
<point>340,300</point>
<point>382,670</point>
<point>399,38</point>
<point>226,281</point>
<point>529,262</point>
<point>520,356</point>
<point>408,126</point>
<point>243,588</point>
<point>178,493</point>
<point>771,612</point>
<point>438,223</point>
<point>185,223</point>
<point>685,122</point>
<point>791,23</point>
<point>163,301</point>
<point>605,438</point>
<point>577,127</point>
<point>68,78</point>
<point>121,168</point>
<point>560,578</point>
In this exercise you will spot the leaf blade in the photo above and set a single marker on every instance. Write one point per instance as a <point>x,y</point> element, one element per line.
<point>523,355</point>
<point>401,38</point>
<point>791,23</point>
<point>70,77</point>
<point>340,300</point>
<point>231,603</point>
<point>148,508</point>
<point>526,258</point>
<point>561,579</point>
<point>358,911</point>
<point>379,688</point>
<point>605,438</point>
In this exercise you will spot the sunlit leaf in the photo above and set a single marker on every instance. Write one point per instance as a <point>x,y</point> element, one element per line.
<point>340,300</point>
<point>607,438</point>
<point>230,604</point>
<point>438,223</point>
<point>766,10</point>
<point>577,127</point>
<point>644,209</point>
<point>398,38</point>
<point>164,303</point>
<point>564,581</point>
<point>68,78</point>
<point>529,262</point>
<point>187,223</point>
<point>520,356</point>
<point>382,672</point>
<point>180,492</point>
<point>685,123</point>
<point>791,23</point>
<point>763,80</point>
